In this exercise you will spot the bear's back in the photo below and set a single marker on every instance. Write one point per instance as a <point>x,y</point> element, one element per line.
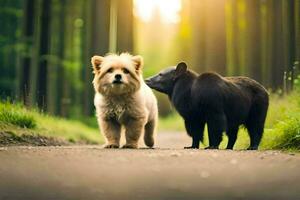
<point>208,82</point>
<point>255,89</point>
<point>207,90</point>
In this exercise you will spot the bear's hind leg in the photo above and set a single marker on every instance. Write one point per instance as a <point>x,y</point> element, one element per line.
<point>216,125</point>
<point>255,134</point>
<point>195,130</point>
<point>255,124</point>
<point>232,136</point>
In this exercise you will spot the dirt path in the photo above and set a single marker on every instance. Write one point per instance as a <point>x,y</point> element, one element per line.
<point>89,172</point>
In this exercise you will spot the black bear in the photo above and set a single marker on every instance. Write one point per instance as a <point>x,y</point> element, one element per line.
<point>224,103</point>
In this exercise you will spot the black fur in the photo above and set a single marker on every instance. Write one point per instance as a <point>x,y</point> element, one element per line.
<point>224,103</point>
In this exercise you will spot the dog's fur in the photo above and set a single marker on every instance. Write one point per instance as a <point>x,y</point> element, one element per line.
<point>224,103</point>
<point>123,99</point>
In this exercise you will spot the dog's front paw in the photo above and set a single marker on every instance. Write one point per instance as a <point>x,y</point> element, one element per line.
<point>111,146</point>
<point>130,146</point>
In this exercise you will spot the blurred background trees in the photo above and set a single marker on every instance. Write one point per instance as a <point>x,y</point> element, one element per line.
<point>46,45</point>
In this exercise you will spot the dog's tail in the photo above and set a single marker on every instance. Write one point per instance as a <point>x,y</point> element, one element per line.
<point>150,133</point>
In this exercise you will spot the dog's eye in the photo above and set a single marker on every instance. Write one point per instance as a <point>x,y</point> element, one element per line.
<point>160,74</point>
<point>125,71</point>
<point>110,70</point>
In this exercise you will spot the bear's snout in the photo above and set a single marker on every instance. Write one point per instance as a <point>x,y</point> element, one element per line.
<point>148,81</point>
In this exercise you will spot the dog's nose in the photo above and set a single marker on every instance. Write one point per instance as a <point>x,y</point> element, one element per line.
<point>118,77</point>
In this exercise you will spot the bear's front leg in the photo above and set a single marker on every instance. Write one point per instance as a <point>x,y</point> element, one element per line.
<point>112,132</point>
<point>134,129</point>
<point>216,125</point>
<point>195,130</point>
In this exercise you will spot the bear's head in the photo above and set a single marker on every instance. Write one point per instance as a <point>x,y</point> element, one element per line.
<point>165,80</point>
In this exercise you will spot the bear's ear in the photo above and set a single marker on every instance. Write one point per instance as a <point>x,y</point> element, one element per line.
<point>138,62</point>
<point>181,68</point>
<point>96,62</point>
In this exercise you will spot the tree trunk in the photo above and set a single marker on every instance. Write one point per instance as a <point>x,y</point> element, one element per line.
<point>97,43</point>
<point>297,29</point>
<point>35,54</point>
<point>254,39</point>
<point>278,46</point>
<point>288,22</point>
<point>43,59</point>
<point>232,53</point>
<point>215,36</point>
<point>266,40</point>
<point>198,24</point>
<point>124,26</point>
<point>54,61</point>
<point>26,61</point>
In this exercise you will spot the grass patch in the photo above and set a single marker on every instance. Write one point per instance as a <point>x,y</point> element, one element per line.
<point>283,123</point>
<point>287,135</point>
<point>16,123</point>
<point>16,115</point>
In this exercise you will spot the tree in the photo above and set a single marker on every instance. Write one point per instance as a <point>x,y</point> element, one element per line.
<point>43,55</point>
<point>198,24</point>
<point>253,16</point>
<point>96,39</point>
<point>124,26</point>
<point>26,59</point>
<point>215,46</point>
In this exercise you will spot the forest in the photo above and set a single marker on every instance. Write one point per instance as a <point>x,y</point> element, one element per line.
<point>46,47</point>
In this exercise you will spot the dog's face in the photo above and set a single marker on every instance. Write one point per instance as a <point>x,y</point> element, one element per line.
<point>164,81</point>
<point>117,74</point>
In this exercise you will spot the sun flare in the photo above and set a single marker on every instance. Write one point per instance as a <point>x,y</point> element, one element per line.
<point>168,10</point>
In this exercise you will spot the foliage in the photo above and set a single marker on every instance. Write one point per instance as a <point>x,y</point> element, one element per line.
<point>283,123</point>
<point>287,134</point>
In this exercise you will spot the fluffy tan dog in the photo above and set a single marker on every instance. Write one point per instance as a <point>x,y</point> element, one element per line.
<point>122,99</point>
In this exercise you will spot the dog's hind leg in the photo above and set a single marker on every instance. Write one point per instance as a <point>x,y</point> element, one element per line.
<point>149,133</point>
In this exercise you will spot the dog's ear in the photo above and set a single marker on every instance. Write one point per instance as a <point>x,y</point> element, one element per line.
<point>96,62</point>
<point>181,68</point>
<point>138,62</point>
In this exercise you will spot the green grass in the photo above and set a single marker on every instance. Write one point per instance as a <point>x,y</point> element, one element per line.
<point>283,123</point>
<point>16,115</point>
<point>18,121</point>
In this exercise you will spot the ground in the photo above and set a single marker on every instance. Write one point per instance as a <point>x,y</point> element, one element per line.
<point>167,172</point>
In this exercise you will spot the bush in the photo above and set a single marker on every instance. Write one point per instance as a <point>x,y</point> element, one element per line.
<point>291,134</point>
<point>283,122</point>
